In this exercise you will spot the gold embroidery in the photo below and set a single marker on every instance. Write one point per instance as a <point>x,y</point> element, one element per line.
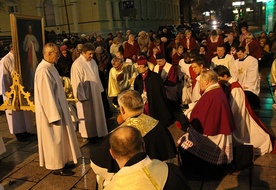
<point>143,123</point>
<point>240,71</point>
<point>152,180</point>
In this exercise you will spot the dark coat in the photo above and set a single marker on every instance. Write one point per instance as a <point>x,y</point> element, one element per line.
<point>64,64</point>
<point>159,144</point>
<point>156,95</point>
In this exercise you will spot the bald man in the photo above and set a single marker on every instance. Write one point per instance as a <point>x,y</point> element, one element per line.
<point>137,170</point>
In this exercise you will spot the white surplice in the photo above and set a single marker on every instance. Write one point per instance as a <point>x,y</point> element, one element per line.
<point>247,74</point>
<point>196,90</point>
<point>142,175</point>
<point>227,61</point>
<point>57,141</point>
<point>87,88</point>
<point>247,130</point>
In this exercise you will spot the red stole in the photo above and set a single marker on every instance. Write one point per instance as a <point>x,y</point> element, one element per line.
<point>193,76</point>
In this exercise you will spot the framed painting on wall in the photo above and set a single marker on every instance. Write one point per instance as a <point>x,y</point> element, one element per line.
<point>28,40</point>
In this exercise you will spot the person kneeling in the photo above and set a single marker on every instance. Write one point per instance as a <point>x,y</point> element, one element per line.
<point>137,170</point>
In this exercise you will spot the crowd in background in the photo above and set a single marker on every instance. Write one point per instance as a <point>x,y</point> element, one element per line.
<point>262,46</point>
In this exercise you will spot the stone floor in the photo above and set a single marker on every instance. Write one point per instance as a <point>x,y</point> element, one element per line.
<point>19,167</point>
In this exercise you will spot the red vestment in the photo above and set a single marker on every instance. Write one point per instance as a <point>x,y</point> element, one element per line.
<point>254,48</point>
<point>131,50</point>
<point>171,77</point>
<point>161,48</point>
<point>193,76</point>
<point>152,59</point>
<point>228,90</point>
<point>192,44</point>
<point>212,47</point>
<point>212,114</point>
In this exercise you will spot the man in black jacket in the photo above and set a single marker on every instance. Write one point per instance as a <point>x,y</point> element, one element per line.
<point>151,87</point>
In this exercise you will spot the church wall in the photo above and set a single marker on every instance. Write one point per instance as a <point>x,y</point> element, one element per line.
<point>92,15</point>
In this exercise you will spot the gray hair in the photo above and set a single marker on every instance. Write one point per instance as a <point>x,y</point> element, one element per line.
<point>131,99</point>
<point>209,75</point>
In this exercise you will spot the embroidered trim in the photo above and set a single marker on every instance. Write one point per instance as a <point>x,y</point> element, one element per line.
<point>146,171</point>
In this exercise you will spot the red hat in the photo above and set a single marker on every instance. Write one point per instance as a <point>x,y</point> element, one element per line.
<point>63,48</point>
<point>141,61</point>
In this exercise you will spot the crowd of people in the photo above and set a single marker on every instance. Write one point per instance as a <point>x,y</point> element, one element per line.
<point>212,77</point>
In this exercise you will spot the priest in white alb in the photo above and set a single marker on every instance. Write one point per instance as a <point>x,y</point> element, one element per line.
<point>87,88</point>
<point>20,122</point>
<point>249,128</point>
<point>57,140</point>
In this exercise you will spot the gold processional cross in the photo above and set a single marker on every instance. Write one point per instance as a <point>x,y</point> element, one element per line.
<point>17,99</point>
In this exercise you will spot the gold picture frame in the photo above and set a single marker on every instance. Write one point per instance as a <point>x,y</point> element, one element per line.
<point>28,41</point>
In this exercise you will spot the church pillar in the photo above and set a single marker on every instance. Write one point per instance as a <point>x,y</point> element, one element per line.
<point>109,15</point>
<point>57,11</point>
<point>117,17</point>
<point>38,7</point>
<point>75,15</point>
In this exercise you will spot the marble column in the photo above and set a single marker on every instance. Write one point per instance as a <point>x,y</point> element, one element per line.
<point>157,10</point>
<point>57,11</point>
<point>75,15</point>
<point>38,7</point>
<point>117,13</point>
<point>109,15</point>
<point>144,7</point>
<point>137,6</point>
<point>127,23</point>
<point>142,10</point>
